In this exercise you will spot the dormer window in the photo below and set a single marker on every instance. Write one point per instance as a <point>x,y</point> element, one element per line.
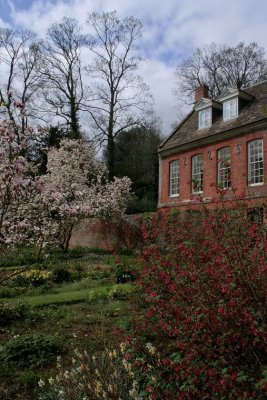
<point>230,109</point>
<point>207,110</point>
<point>204,118</point>
<point>233,101</point>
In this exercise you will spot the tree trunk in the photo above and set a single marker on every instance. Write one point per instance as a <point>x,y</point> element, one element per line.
<point>110,150</point>
<point>74,123</point>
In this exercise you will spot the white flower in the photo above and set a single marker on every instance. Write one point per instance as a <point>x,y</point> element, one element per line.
<point>41,383</point>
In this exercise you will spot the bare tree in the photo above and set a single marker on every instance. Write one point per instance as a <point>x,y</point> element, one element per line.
<point>61,70</point>
<point>220,66</point>
<point>20,78</point>
<point>119,98</point>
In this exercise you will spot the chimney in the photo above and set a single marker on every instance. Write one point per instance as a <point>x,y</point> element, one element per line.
<point>201,91</point>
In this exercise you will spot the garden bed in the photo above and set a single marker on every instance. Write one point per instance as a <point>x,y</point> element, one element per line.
<point>85,310</point>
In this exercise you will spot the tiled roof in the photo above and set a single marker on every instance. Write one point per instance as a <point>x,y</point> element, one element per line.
<point>187,131</point>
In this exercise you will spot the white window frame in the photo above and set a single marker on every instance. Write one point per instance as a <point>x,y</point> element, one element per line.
<point>255,163</point>
<point>197,173</point>
<point>204,118</point>
<point>174,178</point>
<point>230,109</point>
<point>224,168</point>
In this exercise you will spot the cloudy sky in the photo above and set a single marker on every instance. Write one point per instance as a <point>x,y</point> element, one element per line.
<point>173,29</point>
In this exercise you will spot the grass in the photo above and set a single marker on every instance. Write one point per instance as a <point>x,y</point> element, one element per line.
<point>71,296</point>
<point>84,313</point>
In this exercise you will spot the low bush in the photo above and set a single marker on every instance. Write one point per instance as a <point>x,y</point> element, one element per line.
<point>18,257</point>
<point>205,281</point>
<point>34,277</point>
<point>10,312</point>
<point>104,375</point>
<point>33,350</point>
<point>61,274</point>
<point>118,293</point>
<point>79,272</point>
<point>8,292</point>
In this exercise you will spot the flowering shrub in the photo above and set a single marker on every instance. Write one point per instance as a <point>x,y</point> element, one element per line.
<point>204,275</point>
<point>106,375</point>
<point>34,277</point>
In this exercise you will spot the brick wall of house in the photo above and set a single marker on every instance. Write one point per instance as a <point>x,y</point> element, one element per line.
<point>238,151</point>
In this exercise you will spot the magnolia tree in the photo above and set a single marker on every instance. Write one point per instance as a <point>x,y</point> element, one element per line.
<point>75,188</point>
<point>23,219</point>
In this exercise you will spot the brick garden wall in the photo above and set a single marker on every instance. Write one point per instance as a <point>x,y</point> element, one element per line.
<point>108,235</point>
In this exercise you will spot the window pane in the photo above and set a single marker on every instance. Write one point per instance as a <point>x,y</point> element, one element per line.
<point>255,162</point>
<point>174,178</point>
<point>230,109</point>
<point>224,168</point>
<point>197,174</point>
<point>204,118</point>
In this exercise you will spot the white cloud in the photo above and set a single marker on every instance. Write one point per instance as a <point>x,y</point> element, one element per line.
<point>160,79</point>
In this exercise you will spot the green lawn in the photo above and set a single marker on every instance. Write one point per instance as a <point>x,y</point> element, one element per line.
<point>65,296</point>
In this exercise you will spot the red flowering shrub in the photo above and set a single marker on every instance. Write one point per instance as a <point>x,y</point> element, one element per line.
<point>205,278</point>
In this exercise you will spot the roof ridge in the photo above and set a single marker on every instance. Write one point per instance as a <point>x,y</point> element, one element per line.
<point>176,128</point>
<point>256,84</point>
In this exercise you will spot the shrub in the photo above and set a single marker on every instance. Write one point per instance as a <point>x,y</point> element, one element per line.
<point>61,274</point>
<point>8,292</point>
<point>118,293</point>
<point>205,281</point>
<point>34,277</point>
<point>18,256</point>
<point>78,273</point>
<point>33,350</point>
<point>10,312</point>
<point>96,296</point>
<point>105,375</point>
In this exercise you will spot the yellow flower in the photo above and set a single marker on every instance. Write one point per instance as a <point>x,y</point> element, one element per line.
<point>151,349</point>
<point>122,347</point>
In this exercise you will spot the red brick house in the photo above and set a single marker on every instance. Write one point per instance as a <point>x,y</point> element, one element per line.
<point>222,144</point>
